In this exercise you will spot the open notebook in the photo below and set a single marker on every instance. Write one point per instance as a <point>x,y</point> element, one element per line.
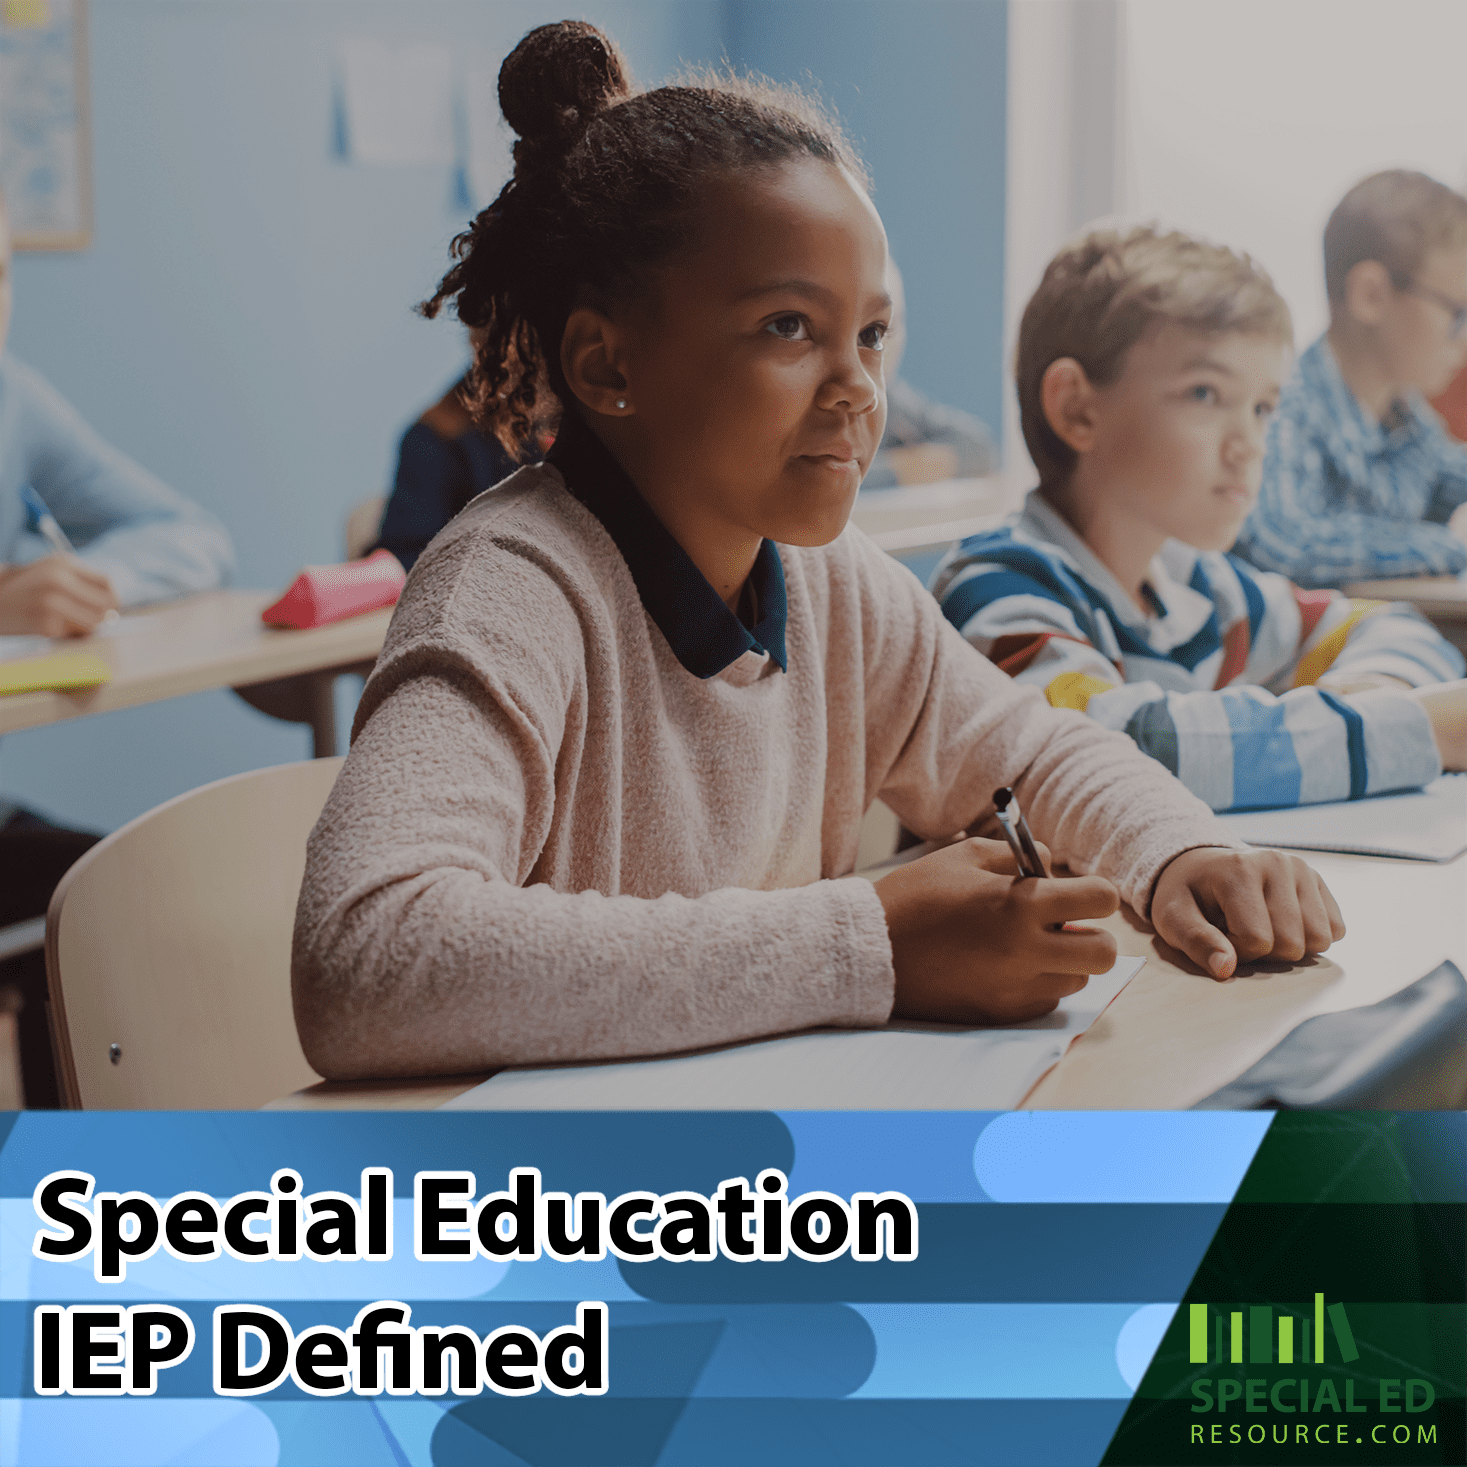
<point>900,1067</point>
<point>1428,824</point>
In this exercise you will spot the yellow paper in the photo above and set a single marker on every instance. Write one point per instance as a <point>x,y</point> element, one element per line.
<point>27,14</point>
<point>59,672</point>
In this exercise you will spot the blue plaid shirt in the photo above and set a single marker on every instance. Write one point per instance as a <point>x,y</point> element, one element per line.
<point>1345,498</point>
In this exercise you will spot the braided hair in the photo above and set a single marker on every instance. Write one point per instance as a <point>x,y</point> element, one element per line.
<point>607,181</point>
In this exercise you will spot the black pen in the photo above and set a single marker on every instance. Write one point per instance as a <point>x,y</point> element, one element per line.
<point>1016,829</point>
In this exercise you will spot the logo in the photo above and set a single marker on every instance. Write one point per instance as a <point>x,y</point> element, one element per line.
<point>1301,1407</point>
<point>1261,1335</point>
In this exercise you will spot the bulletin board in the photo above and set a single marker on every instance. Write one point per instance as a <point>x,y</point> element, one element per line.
<point>45,162</point>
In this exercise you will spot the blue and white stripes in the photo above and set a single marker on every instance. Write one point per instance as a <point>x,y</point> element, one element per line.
<point>1217,684</point>
<point>1345,498</point>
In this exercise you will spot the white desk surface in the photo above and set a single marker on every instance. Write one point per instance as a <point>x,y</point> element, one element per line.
<point>1173,1036</point>
<point>214,640</point>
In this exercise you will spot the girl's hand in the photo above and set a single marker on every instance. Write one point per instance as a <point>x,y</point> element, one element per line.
<point>54,597</point>
<point>974,943</point>
<point>1221,907</point>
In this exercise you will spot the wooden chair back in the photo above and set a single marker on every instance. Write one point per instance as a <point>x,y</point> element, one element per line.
<point>168,949</point>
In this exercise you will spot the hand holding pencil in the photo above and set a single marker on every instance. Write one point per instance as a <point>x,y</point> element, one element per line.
<point>56,596</point>
<point>977,938</point>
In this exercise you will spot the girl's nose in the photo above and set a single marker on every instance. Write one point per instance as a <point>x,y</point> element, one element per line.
<point>851,387</point>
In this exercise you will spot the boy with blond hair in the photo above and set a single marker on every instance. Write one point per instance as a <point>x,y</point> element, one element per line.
<point>1148,367</point>
<point>1360,478</point>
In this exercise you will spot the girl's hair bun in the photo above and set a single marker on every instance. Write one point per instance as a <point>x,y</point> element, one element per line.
<point>554,83</point>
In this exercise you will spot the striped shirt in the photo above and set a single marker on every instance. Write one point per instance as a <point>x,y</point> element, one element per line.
<point>1217,683</point>
<point>1344,497</point>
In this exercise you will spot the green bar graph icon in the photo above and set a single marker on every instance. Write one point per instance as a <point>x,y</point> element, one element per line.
<point>1260,1334</point>
<point>1197,1334</point>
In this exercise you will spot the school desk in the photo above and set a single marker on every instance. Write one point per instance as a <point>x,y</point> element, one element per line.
<point>213,640</point>
<point>1174,1036</point>
<point>1441,599</point>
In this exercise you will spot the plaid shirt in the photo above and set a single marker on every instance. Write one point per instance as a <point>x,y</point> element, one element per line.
<point>1345,498</point>
<point>1217,683</point>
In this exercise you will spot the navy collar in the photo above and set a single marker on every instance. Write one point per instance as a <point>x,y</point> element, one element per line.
<point>704,634</point>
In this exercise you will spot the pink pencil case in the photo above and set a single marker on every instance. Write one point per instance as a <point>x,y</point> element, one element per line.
<point>327,593</point>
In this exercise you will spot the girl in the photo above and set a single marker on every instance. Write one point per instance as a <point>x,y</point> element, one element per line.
<point>608,773</point>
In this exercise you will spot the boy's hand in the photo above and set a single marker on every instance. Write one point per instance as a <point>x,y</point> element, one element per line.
<point>54,597</point>
<point>1221,907</point>
<point>972,942</point>
<point>1446,707</point>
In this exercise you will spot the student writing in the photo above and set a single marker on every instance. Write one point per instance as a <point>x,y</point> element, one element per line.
<point>137,540</point>
<point>1148,367</point>
<point>607,776</point>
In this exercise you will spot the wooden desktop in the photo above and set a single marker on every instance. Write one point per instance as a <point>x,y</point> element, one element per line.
<point>213,640</point>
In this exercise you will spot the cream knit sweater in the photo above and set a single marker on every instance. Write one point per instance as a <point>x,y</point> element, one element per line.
<point>550,841</point>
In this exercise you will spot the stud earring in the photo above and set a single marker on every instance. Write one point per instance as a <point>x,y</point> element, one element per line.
<point>621,403</point>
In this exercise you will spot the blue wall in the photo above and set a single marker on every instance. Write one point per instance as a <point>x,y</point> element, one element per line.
<point>242,321</point>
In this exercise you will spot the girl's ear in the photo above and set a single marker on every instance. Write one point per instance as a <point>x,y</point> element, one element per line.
<point>1069,403</point>
<point>590,351</point>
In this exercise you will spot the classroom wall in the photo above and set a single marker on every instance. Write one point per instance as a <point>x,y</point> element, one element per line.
<point>1062,142</point>
<point>242,321</point>
<point>1246,122</point>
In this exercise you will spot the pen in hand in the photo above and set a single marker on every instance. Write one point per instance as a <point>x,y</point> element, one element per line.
<point>1016,831</point>
<point>42,522</point>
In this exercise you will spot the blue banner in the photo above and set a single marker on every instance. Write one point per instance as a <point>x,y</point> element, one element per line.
<point>143,1255</point>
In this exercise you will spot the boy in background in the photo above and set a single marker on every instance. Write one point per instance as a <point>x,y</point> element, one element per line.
<point>1360,478</point>
<point>1148,367</point>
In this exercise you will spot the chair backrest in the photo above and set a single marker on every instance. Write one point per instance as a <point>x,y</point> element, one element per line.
<point>168,949</point>
<point>363,525</point>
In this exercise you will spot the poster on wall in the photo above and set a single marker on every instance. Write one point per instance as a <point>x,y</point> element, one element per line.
<point>45,168</point>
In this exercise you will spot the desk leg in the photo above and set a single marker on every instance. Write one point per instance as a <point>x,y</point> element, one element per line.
<point>321,702</point>
<point>305,697</point>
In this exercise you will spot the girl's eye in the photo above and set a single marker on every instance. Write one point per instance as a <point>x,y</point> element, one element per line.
<point>1266,409</point>
<point>1202,392</point>
<point>873,338</point>
<point>788,328</point>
